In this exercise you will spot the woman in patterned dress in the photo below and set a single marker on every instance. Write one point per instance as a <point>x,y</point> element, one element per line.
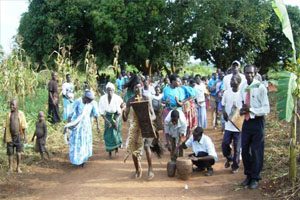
<point>80,141</point>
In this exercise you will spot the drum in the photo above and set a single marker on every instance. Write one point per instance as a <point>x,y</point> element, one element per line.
<point>184,167</point>
<point>171,168</point>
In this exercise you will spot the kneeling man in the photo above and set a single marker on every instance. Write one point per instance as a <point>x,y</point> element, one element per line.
<point>204,153</point>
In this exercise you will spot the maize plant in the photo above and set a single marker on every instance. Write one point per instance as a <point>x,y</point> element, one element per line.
<point>63,62</point>
<point>90,68</point>
<point>18,80</point>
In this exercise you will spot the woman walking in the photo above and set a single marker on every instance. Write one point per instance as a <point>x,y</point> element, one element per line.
<point>110,109</point>
<point>80,141</point>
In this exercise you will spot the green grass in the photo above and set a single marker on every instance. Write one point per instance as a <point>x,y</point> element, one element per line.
<point>55,141</point>
<point>198,69</point>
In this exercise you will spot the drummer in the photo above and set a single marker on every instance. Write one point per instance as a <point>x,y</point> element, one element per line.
<point>204,153</point>
<point>175,126</point>
<point>232,98</point>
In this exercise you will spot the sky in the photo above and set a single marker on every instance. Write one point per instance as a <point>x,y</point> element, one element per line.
<point>10,15</point>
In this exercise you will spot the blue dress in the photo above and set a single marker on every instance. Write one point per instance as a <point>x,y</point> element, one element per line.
<point>81,140</point>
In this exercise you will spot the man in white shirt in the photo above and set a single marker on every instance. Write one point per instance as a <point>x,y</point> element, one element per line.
<point>232,101</point>
<point>255,107</point>
<point>201,105</point>
<point>235,67</point>
<point>175,129</point>
<point>204,152</point>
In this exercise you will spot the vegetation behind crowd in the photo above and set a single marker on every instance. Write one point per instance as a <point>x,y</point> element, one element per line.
<point>19,79</point>
<point>216,31</point>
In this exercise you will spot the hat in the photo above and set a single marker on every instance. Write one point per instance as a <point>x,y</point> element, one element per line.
<point>110,85</point>
<point>236,62</point>
<point>89,94</point>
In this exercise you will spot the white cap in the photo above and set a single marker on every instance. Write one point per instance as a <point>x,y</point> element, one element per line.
<point>236,62</point>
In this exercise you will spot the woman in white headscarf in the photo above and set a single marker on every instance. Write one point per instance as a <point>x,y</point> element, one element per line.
<point>81,139</point>
<point>110,109</point>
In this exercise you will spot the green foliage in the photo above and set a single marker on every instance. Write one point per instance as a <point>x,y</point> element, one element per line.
<point>90,68</point>
<point>46,19</point>
<point>288,86</point>
<point>165,32</point>
<point>197,69</point>
<point>63,62</point>
<point>230,30</point>
<point>17,80</point>
<point>285,100</point>
<point>279,48</point>
<point>295,68</point>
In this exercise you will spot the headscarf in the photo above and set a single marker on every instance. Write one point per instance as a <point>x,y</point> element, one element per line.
<point>236,62</point>
<point>89,94</point>
<point>110,85</point>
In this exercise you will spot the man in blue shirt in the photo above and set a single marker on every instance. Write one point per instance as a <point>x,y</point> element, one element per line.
<point>172,95</point>
<point>212,86</point>
<point>120,84</point>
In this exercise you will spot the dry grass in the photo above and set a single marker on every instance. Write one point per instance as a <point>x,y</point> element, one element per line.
<point>276,165</point>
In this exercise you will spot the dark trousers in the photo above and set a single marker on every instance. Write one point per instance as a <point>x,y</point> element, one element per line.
<point>235,137</point>
<point>53,113</point>
<point>202,163</point>
<point>253,147</point>
<point>175,151</point>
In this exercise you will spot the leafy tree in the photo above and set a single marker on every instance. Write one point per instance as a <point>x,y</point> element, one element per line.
<point>278,46</point>
<point>46,19</point>
<point>165,32</point>
<point>230,30</point>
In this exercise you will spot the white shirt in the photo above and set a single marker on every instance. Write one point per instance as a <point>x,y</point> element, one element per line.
<point>205,145</point>
<point>227,79</point>
<point>229,100</point>
<point>200,96</point>
<point>112,107</point>
<point>175,130</point>
<point>159,97</point>
<point>266,84</point>
<point>259,101</point>
<point>67,88</point>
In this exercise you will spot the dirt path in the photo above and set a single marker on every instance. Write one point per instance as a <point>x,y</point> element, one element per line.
<point>111,179</point>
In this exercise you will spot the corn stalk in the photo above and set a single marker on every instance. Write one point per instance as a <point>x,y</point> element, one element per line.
<point>90,68</point>
<point>18,79</point>
<point>63,62</point>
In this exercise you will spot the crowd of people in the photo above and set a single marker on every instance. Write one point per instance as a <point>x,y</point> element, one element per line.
<point>177,107</point>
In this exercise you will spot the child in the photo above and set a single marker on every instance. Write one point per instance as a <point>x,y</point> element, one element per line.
<point>41,135</point>
<point>14,134</point>
<point>231,100</point>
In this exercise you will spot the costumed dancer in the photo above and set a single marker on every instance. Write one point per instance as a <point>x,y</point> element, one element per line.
<point>135,142</point>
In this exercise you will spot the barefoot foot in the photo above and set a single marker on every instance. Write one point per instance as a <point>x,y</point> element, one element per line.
<point>19,171</point>
<point>150,175</point>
